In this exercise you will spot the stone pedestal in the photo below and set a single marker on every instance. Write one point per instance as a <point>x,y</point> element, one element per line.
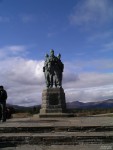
<point>53,102</point>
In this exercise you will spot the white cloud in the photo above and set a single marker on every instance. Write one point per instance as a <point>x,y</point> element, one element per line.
<point>24,81</point>
<point>92,12</point>
<point>103,64</point>
<point>2,54</point>
<point>96,65</point>
<point>91,94</point>
<point>26,18</point>
<point>99,64</point>
<point>51,34</point>
<point>16,48</point>
<point>4,19</point>
<point>88,80</point>
<point>107,47</point>
<point>89,86</point>
<point>13,50</point>
<point>100,36</point>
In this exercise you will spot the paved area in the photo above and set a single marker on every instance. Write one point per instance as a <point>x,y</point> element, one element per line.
<point>62,147</point>
<point>60,122</point>
<point>70,121</point>
<point>58,134</point>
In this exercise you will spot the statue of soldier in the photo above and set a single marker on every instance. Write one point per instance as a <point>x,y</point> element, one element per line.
<point>3,97</point>
<point>61,68</point>
<point>46,71</point>
<point>53,68</point>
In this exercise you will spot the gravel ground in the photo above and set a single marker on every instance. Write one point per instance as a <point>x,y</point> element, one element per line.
<point>70,121</point>
<point>62,147</point>
<point>54,122</point>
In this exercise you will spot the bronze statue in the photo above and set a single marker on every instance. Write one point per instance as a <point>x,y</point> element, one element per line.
<point>53,68</point>
<point>46,71</point>
<point>3,97</point>
<point>61,68</point>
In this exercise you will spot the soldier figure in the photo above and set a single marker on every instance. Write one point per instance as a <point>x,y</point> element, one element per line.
<point>53,68</point>
<point>3,97</point>
<point>61,68</point>
<point>46,71</point>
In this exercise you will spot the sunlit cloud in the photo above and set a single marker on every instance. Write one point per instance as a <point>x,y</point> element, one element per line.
<point>17,48</point>
<point>88,66</point>
<point>13,50</point>
<point>24,81</point>
<point>92,11</point>
<point>91,94</point>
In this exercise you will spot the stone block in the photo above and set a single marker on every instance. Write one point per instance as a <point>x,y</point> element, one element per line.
<point>53,101</point>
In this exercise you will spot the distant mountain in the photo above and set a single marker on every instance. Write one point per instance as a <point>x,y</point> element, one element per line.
<point>101,104</point>
<point>22,108</point>
<point>73,105</point>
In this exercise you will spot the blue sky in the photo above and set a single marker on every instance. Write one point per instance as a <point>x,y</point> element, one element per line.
<point>81,30</point>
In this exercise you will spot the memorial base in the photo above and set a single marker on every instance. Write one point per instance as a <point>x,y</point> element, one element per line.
<point>53,102</point>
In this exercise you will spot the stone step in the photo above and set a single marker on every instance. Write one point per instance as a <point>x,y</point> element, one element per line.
<point>56,138</point>
<point>47,129</point>
<point>60,147</point>
<point>56,131</point>
<point>53,114</point>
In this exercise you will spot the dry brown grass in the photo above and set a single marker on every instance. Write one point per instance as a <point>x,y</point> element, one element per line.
<point>21,115</point>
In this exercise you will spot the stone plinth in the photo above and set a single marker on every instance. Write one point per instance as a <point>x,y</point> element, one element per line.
<point>53,101</point>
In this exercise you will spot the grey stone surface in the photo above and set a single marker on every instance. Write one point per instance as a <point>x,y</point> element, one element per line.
<point>53,101</point>
<point>52,122</point>
<point>62,147</point>
<point>57,133</point>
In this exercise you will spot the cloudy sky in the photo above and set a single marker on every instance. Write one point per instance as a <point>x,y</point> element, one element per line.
<point>81,30</point>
